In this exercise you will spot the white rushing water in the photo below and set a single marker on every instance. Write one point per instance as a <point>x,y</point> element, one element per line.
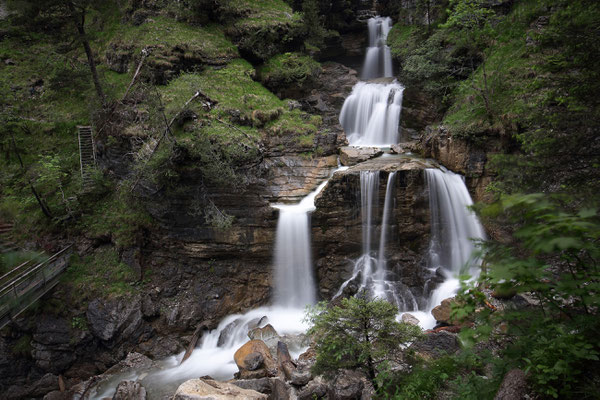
<point>371,266</point>
<point>294,282</point>
<point>294,289</point>
<point>454,231</point>
<point>370,116</point>
<point>454,227</point>
<point>378,59</point>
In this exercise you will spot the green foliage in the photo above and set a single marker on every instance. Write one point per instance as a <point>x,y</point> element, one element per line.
<point>118,216</point>
<point>468,14</point>
<point>79,323</point>
<point>553,260</point>
<point>313,23</point>
<point>460,377</point>
<point>22,347</point>
<point>358,334</point>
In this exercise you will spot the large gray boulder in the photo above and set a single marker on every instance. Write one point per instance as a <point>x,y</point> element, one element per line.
<point>115,320</point>
<point>208,389</point>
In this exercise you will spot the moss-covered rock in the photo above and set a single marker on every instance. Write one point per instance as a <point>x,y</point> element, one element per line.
<point>290,75</point>
<point>268,27</point>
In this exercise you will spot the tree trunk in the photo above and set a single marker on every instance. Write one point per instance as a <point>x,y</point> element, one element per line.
<point>41,203</point>
<point>79,20</point>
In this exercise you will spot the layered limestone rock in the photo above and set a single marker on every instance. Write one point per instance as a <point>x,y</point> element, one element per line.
<point>337,225</point>
<point>462,157</point>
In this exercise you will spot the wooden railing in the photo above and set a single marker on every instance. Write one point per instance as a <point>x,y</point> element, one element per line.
<point>26,283</point>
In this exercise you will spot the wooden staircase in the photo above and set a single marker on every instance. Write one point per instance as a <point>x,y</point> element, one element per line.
<point>87,154</point>
<point>26,283</point>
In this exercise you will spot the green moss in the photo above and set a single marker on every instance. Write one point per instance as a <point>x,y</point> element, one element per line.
<point>289,69</point>
<point>208,40</point>
<point>264,12</point>
<point>99,273</point>
<point>401,37</point>
<point>250,99</point>
<point>505,78</point>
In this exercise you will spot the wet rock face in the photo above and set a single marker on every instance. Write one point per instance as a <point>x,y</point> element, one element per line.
<point>111,320</point>
<point>337,225</point>
<point>462,157</point>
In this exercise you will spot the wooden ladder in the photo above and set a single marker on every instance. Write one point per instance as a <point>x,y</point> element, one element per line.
<point>87,154</point>
<point>7,244</point>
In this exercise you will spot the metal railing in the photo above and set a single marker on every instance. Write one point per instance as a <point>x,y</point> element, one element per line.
<point>26,283</point>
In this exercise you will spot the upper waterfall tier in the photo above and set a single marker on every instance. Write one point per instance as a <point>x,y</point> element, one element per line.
<point>378,59</point>
<point>371,114</point>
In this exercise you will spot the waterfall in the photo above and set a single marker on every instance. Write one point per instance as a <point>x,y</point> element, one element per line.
<point>370,116</point>
<point>294,282</point>
<point>453,225</point>
<point>371,268</point>
<point>378,59</point>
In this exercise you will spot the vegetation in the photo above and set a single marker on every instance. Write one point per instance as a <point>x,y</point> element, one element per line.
<point>358,334</point>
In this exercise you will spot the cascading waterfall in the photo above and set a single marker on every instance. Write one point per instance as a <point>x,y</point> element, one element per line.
<point>370,116</point>
<point>378,59</point>
<point>294,289</point>
<point>453,225</point>
<point>454,228</point>
<point>370,267</point>
<point>294,282</point>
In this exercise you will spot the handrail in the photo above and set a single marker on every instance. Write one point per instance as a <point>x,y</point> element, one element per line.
<point>32,270</point>
<point>14,270</point>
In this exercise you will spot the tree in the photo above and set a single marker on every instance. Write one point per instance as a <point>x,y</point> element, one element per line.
<point>358,334</point>
<point>74,11</point>
<point>313,23</point>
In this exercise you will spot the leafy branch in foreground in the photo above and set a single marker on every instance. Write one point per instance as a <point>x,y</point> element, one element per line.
<point>554,263</point>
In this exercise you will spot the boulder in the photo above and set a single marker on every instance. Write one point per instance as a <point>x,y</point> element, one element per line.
<point>133,361</point>
<point>443,312</point>
<point>265,333</point>
<point>130,390</point>
<point>262,385</point>
<point>353,155</point>
<point>52,348</point>
<point>410,319</point>
<point>436,344</point>
<point>315,389</point>
<point>46,384</point>
<point>279,390</point>
<point>513,386</point>
<point>250,348</point>
<point>115,320</point>
<point>208,389</point>
<point>347,385</point>
<point>227,332</point>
